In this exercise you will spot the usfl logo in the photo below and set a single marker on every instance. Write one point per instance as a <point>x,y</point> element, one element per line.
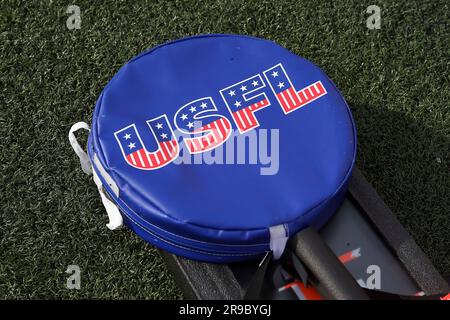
<point>205,128</point>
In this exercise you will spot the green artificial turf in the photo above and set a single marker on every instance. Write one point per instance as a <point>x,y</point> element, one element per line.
<point>396,81</point>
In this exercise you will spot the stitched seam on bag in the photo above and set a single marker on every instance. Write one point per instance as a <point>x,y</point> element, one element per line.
<point>187,248</point>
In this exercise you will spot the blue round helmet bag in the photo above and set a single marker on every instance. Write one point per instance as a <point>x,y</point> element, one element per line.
<point>219,147</point>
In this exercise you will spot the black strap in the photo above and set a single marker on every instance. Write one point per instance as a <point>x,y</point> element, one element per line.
<point>298,266</point>
<point>256,284</point>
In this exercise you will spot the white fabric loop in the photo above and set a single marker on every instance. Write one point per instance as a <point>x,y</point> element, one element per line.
<point>115,218</point>
<point>278,238</point>
<point>84,158</point>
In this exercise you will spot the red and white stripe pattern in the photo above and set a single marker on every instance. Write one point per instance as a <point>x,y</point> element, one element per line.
<point>245,118</point>
<point>301,291</point>
<point>216,133</point>
<point>288,97</point>
<point>291,100</point>
<point>350,256</point>
<point>142,159</point>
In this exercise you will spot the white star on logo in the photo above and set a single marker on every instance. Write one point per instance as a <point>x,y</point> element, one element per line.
<point>190,124</point>
<point>127,136</point>
<point>159,125</point>
<point>237,104</point>
<point>131,145</point>
<point>280,85</point>
<point>164,136</point>
<point>231,93</point>
<point>184,116</point>
<point>192,109</point>
<point>255,83</point>
<point>275,74</point>
<point>243,88</point>
<point>203,105</point>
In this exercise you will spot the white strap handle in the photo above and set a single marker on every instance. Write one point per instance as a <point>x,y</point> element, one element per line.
<point>115,218</point>
<point>84,159</point>
<point>279,236</point>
